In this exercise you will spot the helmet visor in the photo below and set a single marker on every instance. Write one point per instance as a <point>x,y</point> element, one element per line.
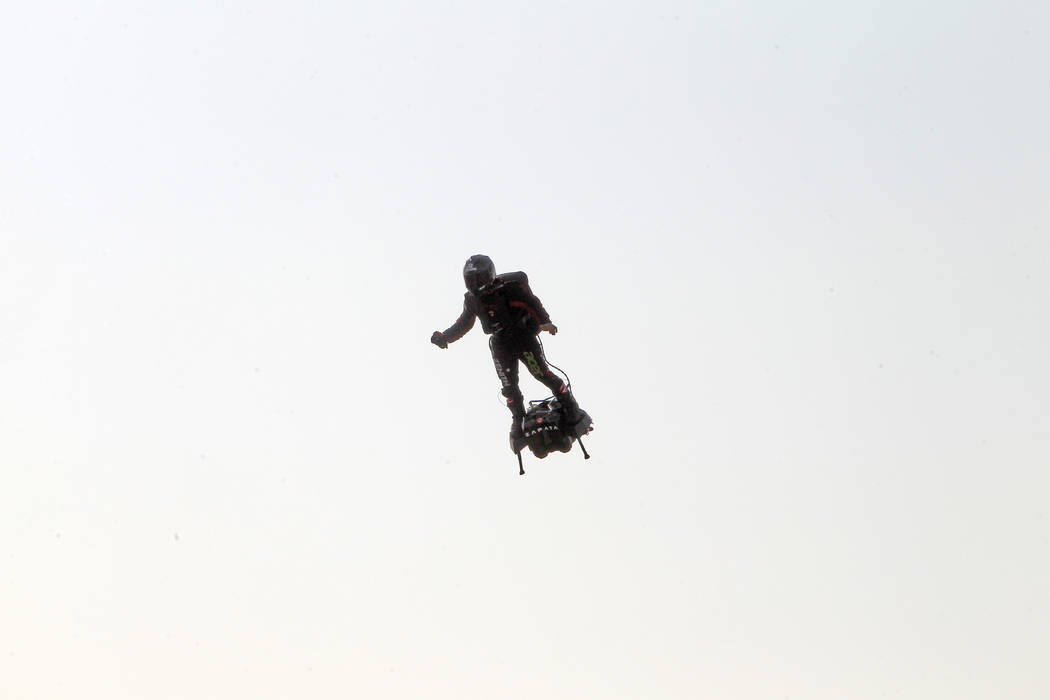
<point>476,279</point>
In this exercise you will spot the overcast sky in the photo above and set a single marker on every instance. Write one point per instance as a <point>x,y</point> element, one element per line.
<point>797,253</point>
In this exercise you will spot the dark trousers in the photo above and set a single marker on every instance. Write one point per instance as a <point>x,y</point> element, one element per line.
<point>506,353</point>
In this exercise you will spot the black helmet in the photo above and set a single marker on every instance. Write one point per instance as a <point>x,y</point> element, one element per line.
<point>478,272</point>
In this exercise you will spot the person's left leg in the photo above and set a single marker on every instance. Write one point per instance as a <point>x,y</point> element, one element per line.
<point>531,354</point>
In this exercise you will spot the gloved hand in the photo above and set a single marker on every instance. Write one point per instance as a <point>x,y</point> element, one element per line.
<point>439,339</point>
<point>549,327</point>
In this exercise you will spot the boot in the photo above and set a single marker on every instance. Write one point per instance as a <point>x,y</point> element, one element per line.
<point>570,410</point>
<point>517,432</point>
<point>517,429</point>
<point>517,435</point>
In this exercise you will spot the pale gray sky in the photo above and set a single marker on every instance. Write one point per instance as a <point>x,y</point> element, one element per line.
<point>797,252</point>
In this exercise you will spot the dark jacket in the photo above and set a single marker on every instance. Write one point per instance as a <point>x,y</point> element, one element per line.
<point>507,308</point>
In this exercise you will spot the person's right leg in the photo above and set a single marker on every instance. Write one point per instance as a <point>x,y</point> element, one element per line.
<point>506,362</point>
